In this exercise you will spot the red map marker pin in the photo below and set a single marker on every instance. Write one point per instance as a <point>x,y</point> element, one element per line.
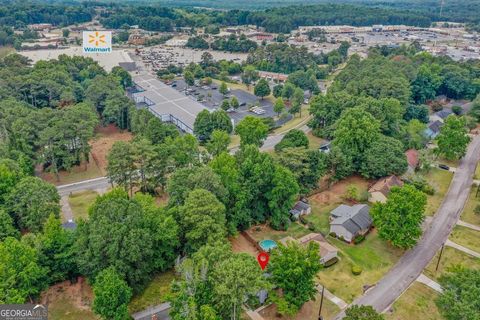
<point>262,259</point>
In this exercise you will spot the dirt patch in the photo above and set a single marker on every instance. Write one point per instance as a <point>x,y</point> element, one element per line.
<point>79,294</point>
<point>336,192</point>
<point>309,311</point>
<point>241,244</point>
<point>102,143</point>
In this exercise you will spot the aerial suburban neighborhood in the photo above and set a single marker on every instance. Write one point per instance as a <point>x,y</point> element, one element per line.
<point>236,160</point>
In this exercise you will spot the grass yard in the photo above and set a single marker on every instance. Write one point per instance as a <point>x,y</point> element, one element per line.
<point>373,255</point>
<point>262,232</point>
<point>477,172</point>
<point>320,216</point>
<point>234,141</point>
<point>466,237</point>
<point>468,214</point>
<point>80,202</point>
<point>440,180</point>
<point>154,294</point>
<point>296,121</point>
<point>418,302</point>
<point>63,309</point>
<point>450,258</point>
<point>4,51</point>
<point>315,142</point>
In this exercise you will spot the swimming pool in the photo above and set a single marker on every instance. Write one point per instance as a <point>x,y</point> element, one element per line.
<point>267,244</point>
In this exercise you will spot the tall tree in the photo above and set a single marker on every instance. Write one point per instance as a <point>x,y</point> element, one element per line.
<point>55,247</point>
<point>121,165</point>
<point>201,218</point>
<point>384,157</point>
<point>399,220</point>
<point>453,139</point>
<point>121,233</point>
<point>7,229</point>
<point>30,203</point>
<point>218,143</point>
<point>262,88</point>
<point>21,276</point>
<point>456,302</point>
<point>251,131</point>
<point>282,197</point>
<point>297,287</point>
<point>279,106</point>
<point>112,295</point>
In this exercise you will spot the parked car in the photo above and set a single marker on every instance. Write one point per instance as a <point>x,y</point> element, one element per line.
<point>444,167</point>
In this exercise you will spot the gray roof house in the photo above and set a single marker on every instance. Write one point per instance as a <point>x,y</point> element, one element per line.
<point>347,222</point>
<point>300,209</point>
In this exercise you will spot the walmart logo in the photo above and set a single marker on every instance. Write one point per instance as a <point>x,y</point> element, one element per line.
<point>97,41</point>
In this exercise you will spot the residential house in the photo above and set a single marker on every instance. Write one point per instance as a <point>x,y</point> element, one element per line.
<point>433,129</point>
<point>301,208</point>
<point>380,190</point>
<point>348,222</point>
<point>326,251</point>
<point>412,160</point>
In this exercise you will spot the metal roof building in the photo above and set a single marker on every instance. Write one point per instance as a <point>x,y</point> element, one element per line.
<point>167,103</point>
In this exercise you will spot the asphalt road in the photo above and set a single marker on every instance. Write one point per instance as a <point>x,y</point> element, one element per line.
<point>92,184</point>
<point>411,265</point>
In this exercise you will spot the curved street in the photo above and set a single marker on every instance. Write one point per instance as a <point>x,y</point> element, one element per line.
<point>411,265</point>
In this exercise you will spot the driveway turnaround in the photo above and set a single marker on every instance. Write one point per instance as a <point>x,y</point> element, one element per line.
<point>411,265</point>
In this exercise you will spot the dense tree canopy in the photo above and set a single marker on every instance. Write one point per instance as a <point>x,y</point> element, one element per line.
<point>453,139</point>
<point>460,285</point>
<point>399,220</point>
<point>130,235</point>
<point>112,295</point>
<point>293,269</point>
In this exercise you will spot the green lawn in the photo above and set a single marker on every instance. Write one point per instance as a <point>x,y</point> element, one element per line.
<point>315,142</point>
<point>468,215</point>
<point>373,255</point>
<point>154,294</point>
<point>64,309</point>
<point>261,232</point>
<point>418,302</point>
<point>450,258</point>
<point>440,181</point>
<point>4,51</point>
<point>320,216</point>
<point>477,172</point>
<point>80,202</point>
<point>466,237</point>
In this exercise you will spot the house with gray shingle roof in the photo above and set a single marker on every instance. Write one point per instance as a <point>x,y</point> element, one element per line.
<point>348,222</point>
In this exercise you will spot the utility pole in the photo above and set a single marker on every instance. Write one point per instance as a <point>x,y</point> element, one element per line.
<point>321,305</point>
<point>439,257</point>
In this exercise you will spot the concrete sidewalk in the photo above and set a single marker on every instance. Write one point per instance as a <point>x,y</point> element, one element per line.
<point>430,283</point>
<point>468,225</point>
<point>462,248</point>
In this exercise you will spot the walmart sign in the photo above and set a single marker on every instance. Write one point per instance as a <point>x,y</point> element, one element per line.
<point>97,41</point>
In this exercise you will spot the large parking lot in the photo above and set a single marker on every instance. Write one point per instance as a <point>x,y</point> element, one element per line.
<point>211,98</point>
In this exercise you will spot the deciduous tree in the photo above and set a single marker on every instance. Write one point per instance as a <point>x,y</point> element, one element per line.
<point>399,220</point>
<point>112,295</point>
<point>453,139</point>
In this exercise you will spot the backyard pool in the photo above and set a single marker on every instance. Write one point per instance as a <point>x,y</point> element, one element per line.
<point>267,245</point>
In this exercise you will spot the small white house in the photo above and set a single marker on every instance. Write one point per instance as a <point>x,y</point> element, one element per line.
<point>301,208</point>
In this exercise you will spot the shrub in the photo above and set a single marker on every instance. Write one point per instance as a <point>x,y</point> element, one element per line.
<point>422,185</point>
<point>457,110</point>
<point>356,270</point>
<point>333,234</point>
<point>477,209</point>
<point>330,262</point>
<point>303,220</point>
<point>311,226</point>
<point>358,239</point>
